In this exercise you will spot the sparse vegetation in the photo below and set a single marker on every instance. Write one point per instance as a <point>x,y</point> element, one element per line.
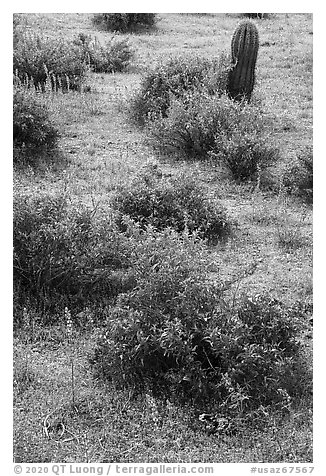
<point>135,339</point>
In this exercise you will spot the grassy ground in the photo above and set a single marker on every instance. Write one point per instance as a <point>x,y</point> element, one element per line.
<point>103,425</point>
<point>100,150</point>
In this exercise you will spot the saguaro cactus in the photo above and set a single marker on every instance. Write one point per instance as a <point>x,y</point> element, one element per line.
<point>244,50</point>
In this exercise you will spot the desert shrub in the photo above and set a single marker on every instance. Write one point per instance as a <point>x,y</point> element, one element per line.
<point>191,124</point>
<point>66,255</point>
<point>33,130</point>
<point>271,335</point>
<point>175,335</point>
<point>124,22</point>
<point>174,79</point>
<point>39,59</point>
<point>256,15</point>
<point>245,152</point>
<point>298,177</point>
<point>177,202</point>
<point>114,56</point>
<point>172,289</point>
<point>200,125</point>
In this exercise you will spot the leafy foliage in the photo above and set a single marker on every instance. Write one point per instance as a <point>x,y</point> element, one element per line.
<point>170,272</point>
<point>39,59</point>
<point>175,335</point>
<point>177,202</point>
<point>201,126</point>
<point>114,56</point>
<point>124,22</point>
<point>192,124</point>
<point>32,128</point>
<point>66,255</point>
<point>174,79</point>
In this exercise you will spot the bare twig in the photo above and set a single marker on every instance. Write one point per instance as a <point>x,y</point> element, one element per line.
<point>74,437</point>
<point>45,425</point>
<point>67,440</point>
<point>63,430</point>
<point>130,449</point>
<point>210,363</point>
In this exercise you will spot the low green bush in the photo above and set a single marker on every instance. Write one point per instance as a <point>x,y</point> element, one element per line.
<point>177,202</point>
<point>192,124</point>
<point>114,56</point>
<point>172,289</point>
<point>33,130</point>
<point>175,335</point>
<point>66,255</point>
<point>41,60</point>
<point>204,126</point>
<point>124,22</point>
<point>298,176</point>
<point>173,80</point>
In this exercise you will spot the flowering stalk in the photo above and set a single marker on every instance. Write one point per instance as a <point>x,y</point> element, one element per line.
<point>68,320</point>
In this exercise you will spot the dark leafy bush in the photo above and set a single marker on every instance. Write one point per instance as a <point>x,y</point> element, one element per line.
<point>245,153</point>
<point>114,56</point>
<point>271,335</point>
<point>192,124</point>
<point>256,15</point>
<point>298,177</point>
<point>173,80</point>
<point>175,335</point>
<point>32,128</point>
<point>124,22</point>
<point>177,202</point>
<point>200,125</point>
<point>66,255</point>
<point>41,60</point>
<point>172,290</point>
